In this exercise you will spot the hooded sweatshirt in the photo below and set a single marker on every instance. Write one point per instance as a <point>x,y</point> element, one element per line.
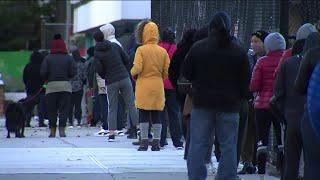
<point>31,74</point>
<point>109,33</point>
<point>219,71</point>
<point>311,57</point>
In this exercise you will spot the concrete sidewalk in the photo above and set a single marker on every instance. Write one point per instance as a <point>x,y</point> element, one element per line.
<point>84,156</point>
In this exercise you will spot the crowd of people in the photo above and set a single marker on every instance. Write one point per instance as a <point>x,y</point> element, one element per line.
<point>210,91</point>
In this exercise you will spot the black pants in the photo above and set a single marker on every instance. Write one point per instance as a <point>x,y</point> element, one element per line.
<point>248,154</point>
<point>146,116</point>
<point>293,145</point>
<point>264,118</point>
<point>39,101</point>
<point>75,107</point>
<point>58,103</point>
<point>242,131</point>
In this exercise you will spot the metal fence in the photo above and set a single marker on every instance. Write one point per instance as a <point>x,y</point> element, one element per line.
<point>247,15</point>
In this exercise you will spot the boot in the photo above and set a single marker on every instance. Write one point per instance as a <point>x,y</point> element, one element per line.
<point>62,132</point>
<point>52,132</point>
<point>155,145</point>
<point>132,133</point>
<point>143,145</point>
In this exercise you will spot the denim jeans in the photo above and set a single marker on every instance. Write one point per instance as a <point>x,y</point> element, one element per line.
<point>203,124</point>
<point>311,147</point>
<point>171,115</point>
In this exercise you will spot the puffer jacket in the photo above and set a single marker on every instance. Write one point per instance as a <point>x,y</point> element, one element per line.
<point>262,81</point>
<point>170,48</point>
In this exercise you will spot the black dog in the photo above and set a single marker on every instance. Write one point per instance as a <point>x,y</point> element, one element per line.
<point>16,118</point>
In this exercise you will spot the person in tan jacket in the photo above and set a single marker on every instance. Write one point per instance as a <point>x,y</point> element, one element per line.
<point>150,68</point>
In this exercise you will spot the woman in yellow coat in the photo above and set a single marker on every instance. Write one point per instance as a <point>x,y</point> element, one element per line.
<point>150,67</point>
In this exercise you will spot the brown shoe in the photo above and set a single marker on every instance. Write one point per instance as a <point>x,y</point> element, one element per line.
<point>143,145</point>
<point>52,132</point>
<point>62,132</point>
<point>155,145</point>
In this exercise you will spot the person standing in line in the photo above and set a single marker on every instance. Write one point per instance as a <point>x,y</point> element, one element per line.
<point>171,109</point>
<point>58,68</point>
<point>114,70</point>
<point>262,83</point>
<point>248,153</point>
<point>77,83</point>
<point>219,71</point>
<point>150,68</point>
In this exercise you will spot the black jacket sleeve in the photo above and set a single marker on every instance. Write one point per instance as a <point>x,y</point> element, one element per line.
<point>304,73</point>
<point>174,69</point>
<point>187,66</point>
<point>245,77</point>
<point>25,74</point>
<point>280,85</point>
<point>44,70</point>
<point>99,67</point>
<point>72,68</point>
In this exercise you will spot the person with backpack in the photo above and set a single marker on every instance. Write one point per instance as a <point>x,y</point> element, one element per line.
<point>310,140</point>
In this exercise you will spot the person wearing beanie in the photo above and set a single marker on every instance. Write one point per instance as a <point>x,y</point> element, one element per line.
<point>58,68</point>
<point>262,83</point>
<point>293,103</point>
<point>248,151</point>
<point>219,71</point>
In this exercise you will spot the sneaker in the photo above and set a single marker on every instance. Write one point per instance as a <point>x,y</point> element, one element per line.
<point>211,170</point>
<point>119,133</point>
<point>102,132</point>
<point>179,147</point>
<point>111,138</point>
<point>70,127</point>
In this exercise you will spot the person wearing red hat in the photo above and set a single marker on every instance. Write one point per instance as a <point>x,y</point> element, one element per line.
<point>58,68</point>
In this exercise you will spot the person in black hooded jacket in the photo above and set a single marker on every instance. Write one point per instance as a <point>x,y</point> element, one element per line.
<point>33,83</point>
<point>115,70</point>
<point>219,71</point>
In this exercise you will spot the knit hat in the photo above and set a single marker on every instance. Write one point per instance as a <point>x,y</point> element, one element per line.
<point>274,41</point>
<point>58,45</point>
<point>304,31</point>
<point>261,34</point>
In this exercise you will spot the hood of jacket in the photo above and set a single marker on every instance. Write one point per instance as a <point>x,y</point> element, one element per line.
<point>312,41</point>
<point>147,33</point>
<point>108,31</point>
<point>36,58</point>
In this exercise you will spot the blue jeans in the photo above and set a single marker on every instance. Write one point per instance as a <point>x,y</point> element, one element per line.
<point>203,124</point>
<point>311,147</point>
<point>171,114</point>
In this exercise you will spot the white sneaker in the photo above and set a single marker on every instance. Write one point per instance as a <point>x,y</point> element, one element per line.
<point>119,133</point>
<point>70,127</point>
<point>102,132</point>
<point>261,176</point>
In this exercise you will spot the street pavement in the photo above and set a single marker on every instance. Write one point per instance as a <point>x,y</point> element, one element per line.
<point>83,156</point>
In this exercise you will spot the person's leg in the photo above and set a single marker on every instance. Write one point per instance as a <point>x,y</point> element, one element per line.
<point>174,117</point>
<point>63,105</point>
<point>104,110</point>
<point>121,112</point>
<point>243,123</point>
<point>311,146</point>
<point>113,92</point>
<point>157,126</point>
<point>96,109</point>
<point>202,124</point>
<point>77,106</point>
<point>52,109</point>
<point>164,130</point>
<point>41,109</point>
<point>293,147</point>
<point>227,132</point>
<point>187,136</point>
<point>144,117</point>
<point>128,95</point>
<point>217,151</point>
<point>263,124</point>
<point>71,108</point>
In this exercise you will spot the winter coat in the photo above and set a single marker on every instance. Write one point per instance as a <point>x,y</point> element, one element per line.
<point>31,74</point>
<point>292,101</point>
<point>151,64</point>
<point>170,48</point>
<point>78,80</point>
<point>219,75</point>
<point>262,81</point>
<point>309,61</point>
<point>114,62</point>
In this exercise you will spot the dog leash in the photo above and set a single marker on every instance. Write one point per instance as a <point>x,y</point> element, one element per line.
<point>44,86</point>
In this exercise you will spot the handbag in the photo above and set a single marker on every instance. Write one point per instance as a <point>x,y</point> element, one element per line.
<point>184,86</point>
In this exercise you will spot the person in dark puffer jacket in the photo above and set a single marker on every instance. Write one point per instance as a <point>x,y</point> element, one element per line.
<point>115,70</point>
<point>262,83</point>
<point>310,142</point>
<point>58,68</point>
